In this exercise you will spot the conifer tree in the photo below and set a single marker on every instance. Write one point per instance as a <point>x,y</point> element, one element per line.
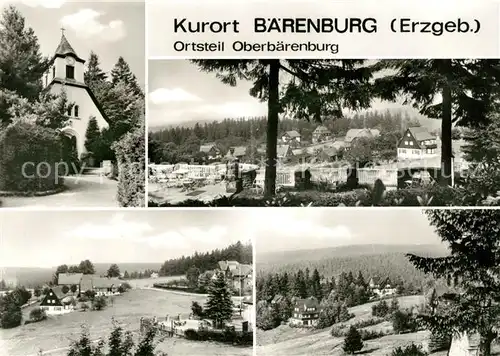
<point>472,266</point>
<point>219,306</point>
<point>21,62</point>
<point>92,135</point>
<point>352,341</point>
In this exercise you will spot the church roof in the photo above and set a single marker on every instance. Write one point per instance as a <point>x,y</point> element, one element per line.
<point>64,49</point>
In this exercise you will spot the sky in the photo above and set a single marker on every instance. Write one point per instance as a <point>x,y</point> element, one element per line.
<point>179,92</point>
<point>110,29</point>
<point>51,238</point>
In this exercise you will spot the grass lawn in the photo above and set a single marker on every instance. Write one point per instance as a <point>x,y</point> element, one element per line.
<point>54,335</point>
<point>285,340</point>
<point>82,191</point>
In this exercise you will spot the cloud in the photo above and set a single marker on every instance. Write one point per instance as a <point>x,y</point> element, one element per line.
<point>187,237</point>
<point>165,95</point>
<point>116,228</point>
<point>49,4</point>
<point>86,24</point>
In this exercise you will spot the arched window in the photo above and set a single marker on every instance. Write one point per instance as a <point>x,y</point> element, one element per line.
<point>69,111</point>
<point>76,110</point>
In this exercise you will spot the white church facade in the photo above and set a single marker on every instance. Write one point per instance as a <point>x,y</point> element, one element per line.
<point>65,72</point>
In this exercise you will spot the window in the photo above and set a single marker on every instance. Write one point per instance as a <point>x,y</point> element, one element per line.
<point>411,143</point>
<point>69,111</point>
<point>53,72</point>
<point>76,110</point>
<point>70,72</point>
<point>406,143</point>
<point>408,134</point>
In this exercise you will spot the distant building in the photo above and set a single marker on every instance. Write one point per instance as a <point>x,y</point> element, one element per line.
<point>283,151</point>
<point>306,312</point>
<point>105,286</point>
<point>291,138</point>
<point>353,134</point>
<point>89,282</point>
<point>69,280</point>
<point>417,143</point>
<point>236,152</point>
<point>248,313</point>
<point>211,150</point>
<point>321,134</point>
<point>240,275</point>
<point>381,288</point>
<point>154,275</point>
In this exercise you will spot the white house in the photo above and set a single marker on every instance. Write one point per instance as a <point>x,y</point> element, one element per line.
<point>65,73</point>
<point>55,303</point>
<point>417,143</point>
<point>249,312</point>
<point>464,345</point>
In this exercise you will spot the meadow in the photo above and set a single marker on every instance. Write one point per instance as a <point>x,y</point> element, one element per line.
<point>54,335</point>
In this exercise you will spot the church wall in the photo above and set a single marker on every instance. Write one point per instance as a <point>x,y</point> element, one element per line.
<point>87,108</point>
<point>60,64</point>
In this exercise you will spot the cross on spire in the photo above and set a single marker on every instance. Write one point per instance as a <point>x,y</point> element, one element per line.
<point>62,30</point>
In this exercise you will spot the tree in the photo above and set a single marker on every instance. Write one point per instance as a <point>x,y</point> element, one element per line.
<point>119,343</point>
<point>317,89</point>
<point>192,276</point>
<point>402,321</point>
<point>86,267</point>
<point>219,306</point>
<point>59,269</point>
<point>468,89</point>
<point>113,271</point>
<point>21,61</point>
<point>352,341</point>
<point>394,305</point>
<point>197,310</point>
<point>65,289</point>
<point>92,136</point>
<point>126,275</point>
<point>315,283</point>
<point>10,312</point>
<point>37,292</point>
<point>21,295</point>
<point>74,288</point>
<point>471,266</point>
<point>94,77</point>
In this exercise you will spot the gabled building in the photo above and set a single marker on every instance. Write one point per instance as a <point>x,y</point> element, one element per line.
<point>55,302</point>
<point>321,134</point>
<point>105,286</point>
<point>382,288</point>
<point>211,150</point>
<point>240,275</point>
<point>305,312</point>
<point>69,280</point>
<point>353,134</point>
<point>291,138</point>
<point>283,151</point>
<point>417,143</point>
<point>65,73</point>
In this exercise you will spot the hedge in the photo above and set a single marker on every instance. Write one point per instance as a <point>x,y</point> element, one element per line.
<point>130,156</point>
<point>30,159</point>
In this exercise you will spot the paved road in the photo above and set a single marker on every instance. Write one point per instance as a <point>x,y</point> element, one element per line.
<point>82,191</point>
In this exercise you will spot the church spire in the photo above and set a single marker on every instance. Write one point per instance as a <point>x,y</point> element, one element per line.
<point>64,47</point>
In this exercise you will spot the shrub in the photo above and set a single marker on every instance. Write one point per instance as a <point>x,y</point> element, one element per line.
<point>30,159</point>
<point>37,314</point>
<point>99,303</point>
<point>337,331</point>
<point>352,341</point>
<point>10,312</point>
<point>410,350</point>
<point>65,289</point>
<point>197,310</point>
<point>130,156</point>
<point>403,322</point>
<point>371,334</point>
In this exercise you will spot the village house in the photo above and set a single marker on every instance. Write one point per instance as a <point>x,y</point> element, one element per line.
<point>69,280</point>
<point>154,275</point>
<point>353,134</point>
<point>291,138</point>
<point>248,313</point>
<point>65,73</point>
<point>321,134</point>
<point>236,152</point>
<point>55,302</point>
<point>417,143</point>
<point>381,288</point>
<point>211,150</point>
<point>305,312</point>
<point>105,286</point>
<point>240,275</point>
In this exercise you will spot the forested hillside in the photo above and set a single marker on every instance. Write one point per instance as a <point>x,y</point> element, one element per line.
<point>208,261</point>
<point>371,260</point>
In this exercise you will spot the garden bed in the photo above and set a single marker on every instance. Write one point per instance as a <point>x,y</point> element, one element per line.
<point>57,190</point>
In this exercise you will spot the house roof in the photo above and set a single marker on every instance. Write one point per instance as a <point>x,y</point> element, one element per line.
<point>421,133</point>
<point>292,134</point>
<point>69,278</point>
<point>232,265</point>
<point>248,299</point>
<point>86,283</point>
<point>237,151</point>
<point>282,150</point>
<point>101,282</point>
<point>321,130</point>
<point>307,303</point>
<point>207,147</point>
<point>357,133</point>
<point>245,270</point>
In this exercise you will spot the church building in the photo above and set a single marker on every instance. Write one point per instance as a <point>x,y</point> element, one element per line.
<point>65,72</point>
